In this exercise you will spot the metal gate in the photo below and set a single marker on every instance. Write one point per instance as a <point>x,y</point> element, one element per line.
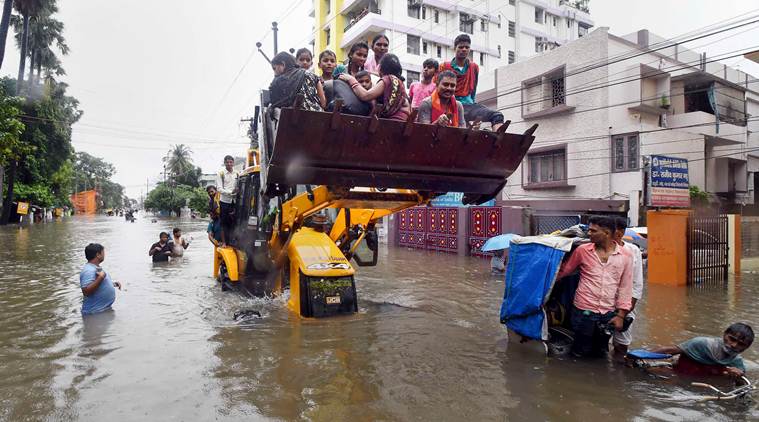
<point>707,249</point>
<point>429,228</point>
<point>546,224</point>
<point>484,223</point>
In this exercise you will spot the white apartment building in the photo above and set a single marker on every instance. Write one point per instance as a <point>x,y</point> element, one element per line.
<point>604,103</point>
<point>502,31</point>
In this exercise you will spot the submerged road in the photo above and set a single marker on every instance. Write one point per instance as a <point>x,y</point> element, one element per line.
<point>426,344</point>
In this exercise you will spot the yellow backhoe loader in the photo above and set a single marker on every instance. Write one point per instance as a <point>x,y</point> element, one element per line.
<point>362,168</point>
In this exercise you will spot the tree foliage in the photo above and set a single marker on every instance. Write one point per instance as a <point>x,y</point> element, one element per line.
<point>180,168</point>
<point>92,172</point>
<point>11,146</point>
<point>172,199</point>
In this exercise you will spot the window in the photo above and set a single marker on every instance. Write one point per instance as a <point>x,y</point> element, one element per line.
<point>424,12</point>
<point>439,52</point>
<point>569,23</point>
<point>413,9</point>
<point>327,35</point>
<point>582,30</point>
<point>512,2</point>
<point>625,152</point>
<point>412,44</point>
<point>512,29</point>
<point>424,48</point>
<point>482,59</point>
<point>557,90</point>
<point>411,77</point>
<point>483,25</point>
<point>539,15</point>
<point>512,57</point>
<point>499,21</point>
<point>545,94</point>
<point>499,51</point>
<point>466,23</point>
<point>547,166</point>
<point>436,15</point>
<point>555,21</point>
<point>538,45</point>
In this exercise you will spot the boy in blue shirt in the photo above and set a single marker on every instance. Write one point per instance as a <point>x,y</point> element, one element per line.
<point>97,286</point>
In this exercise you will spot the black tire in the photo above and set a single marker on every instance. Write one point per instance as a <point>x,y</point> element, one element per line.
<point>223,277</point>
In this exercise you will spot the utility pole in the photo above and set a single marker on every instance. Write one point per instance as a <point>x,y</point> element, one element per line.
<point>274,31</point>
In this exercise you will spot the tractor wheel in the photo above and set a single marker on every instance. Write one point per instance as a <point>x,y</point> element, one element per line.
<point>223,277</point>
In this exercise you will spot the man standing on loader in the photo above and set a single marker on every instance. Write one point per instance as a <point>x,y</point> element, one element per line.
<point>226,183</point>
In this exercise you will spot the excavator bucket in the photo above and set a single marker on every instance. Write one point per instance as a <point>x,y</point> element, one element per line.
<point>322,148</point>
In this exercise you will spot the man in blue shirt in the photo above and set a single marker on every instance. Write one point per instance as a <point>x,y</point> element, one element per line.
<point>97,286</point>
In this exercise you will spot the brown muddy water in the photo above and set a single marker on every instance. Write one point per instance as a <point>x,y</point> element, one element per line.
<point>426,344</point>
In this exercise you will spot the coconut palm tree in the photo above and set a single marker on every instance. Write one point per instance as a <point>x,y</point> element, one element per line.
<point>4,24</point>
<point>27,9</point>
<point>42,32</point>
<point>178,161</point>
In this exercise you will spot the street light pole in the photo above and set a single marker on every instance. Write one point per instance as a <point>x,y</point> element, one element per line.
<point>274,30</point>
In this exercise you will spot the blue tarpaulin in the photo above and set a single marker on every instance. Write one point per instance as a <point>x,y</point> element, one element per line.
<point>530,274</point>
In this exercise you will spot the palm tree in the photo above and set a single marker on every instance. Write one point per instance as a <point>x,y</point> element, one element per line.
<point>178,161</point>
<point>27,9</point>
<point>4,24</point>
<point>43,31</point>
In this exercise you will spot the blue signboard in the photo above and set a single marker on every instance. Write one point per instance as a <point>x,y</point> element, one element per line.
<point>453,199</point>
<point>668,183</point>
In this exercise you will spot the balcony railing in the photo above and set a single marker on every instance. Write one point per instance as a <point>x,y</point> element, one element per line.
<point>353,20</point>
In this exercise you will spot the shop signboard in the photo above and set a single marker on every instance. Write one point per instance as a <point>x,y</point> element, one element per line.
<point>23,208</point>
<point>453,199</point>
<point>668,184</point>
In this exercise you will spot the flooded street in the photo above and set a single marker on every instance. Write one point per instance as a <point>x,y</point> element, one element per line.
<point>425,345</point>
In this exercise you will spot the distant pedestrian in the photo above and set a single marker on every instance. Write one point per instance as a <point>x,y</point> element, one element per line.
<point>97,286</point>
<point>179,243</point>
<point>226,183</point>
<point>161,250</point>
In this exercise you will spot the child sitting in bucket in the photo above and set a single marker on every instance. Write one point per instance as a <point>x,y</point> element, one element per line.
<point>705,356</point>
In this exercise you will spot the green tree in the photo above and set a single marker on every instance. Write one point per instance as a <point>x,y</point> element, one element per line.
<point>47,133</point>
<point>5,21</point>
<point>90,172</point>
<point>12,147</point>
<point>44,31</point>
<point>27,9</point>
<point>172,199</point>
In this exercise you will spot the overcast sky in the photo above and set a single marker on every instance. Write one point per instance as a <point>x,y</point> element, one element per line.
<point>149,74</point>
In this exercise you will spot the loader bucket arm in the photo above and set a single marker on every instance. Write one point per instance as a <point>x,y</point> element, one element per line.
<point>320,148</point>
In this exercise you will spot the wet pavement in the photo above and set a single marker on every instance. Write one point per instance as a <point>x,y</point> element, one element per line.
<point>426,344</point>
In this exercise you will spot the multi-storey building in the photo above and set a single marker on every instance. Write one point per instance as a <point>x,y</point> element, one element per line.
<point>502,31</point>
<point>604,103</point>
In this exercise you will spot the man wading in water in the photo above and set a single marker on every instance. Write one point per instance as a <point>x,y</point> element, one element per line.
<point>604,294</point>
<point>97,286</point>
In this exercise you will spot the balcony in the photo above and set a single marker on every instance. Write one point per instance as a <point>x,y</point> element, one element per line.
<point>654,92</point>
<point>354,17</point>
<point>718,133</point>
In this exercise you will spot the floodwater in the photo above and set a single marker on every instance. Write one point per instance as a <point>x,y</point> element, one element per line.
<point>426,344</point>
